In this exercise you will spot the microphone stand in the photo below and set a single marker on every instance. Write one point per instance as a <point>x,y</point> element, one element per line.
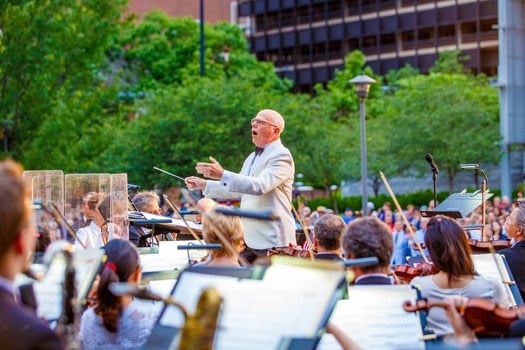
<point>434,180</point>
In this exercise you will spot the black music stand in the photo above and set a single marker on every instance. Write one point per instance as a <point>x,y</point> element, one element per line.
<point>458,205</point>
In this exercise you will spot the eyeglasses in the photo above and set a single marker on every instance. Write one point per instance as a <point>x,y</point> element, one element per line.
<point>256,122</point>
<point>508,221</point>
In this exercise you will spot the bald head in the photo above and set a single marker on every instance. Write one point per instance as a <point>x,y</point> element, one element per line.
<point>272,117</point>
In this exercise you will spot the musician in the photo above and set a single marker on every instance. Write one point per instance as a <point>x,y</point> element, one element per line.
<point>515,256</point>
<point>449,251</point>
<point>215,224</point>
<point>368,237</point>
<point>147,202</point>
<point>20,327</point>
<point>328,232</point>
<point>117,322</point>
<point>91,235</point>
<point>87,214</point>
<point>264,182</point>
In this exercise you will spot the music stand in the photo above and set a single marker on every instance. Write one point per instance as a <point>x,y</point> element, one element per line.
<point>458,205</point>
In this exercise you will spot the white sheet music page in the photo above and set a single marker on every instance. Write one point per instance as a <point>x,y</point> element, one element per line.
<point>374,318</point>
<point>86,263</point>
<point>257,314</point>
<point>492,266</point>
<point>49,290</point>
<point>170,257</point>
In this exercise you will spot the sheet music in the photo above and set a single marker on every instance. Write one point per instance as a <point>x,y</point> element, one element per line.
<point>490,265</point>
<point>170,257</point>
<point>49,290</point>
<point>260,313</point>
<point>374,318</point>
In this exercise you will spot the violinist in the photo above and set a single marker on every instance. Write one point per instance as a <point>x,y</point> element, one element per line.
<point>515,256</point>
<point>328,231</point>
<point>449,251</point>
<point>229,226</point>
<point>369,237</point>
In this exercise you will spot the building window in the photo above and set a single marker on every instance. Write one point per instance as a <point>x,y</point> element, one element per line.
<point>388,42</point>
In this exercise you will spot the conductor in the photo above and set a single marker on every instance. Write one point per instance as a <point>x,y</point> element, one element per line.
<point>264,183</point>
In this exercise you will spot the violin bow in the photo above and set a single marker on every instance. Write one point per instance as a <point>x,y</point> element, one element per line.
<point>175,210</point>
<point>405,220</point>
<point>305,231</point>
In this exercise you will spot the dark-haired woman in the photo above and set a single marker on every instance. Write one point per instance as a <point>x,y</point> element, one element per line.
<point>116,322</point>
<point>449,251</point>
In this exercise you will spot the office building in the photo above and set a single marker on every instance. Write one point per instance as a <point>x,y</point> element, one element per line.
<point>307,40</point>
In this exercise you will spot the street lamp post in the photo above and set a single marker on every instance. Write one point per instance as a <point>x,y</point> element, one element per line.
<point>362,85</point>
<point>201,37</point>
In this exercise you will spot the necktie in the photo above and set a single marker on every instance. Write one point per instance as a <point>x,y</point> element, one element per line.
<point>258,150</point>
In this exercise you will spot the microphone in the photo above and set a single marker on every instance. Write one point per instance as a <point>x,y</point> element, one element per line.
<point>430,161</point>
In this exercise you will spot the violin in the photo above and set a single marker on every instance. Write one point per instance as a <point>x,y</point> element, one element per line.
<point>480,247</point>
<point>406,272</point>
<point>291,250</point>
<point>483,316</point>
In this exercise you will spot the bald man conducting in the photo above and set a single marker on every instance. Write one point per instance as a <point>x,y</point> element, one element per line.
<point>264,183</point>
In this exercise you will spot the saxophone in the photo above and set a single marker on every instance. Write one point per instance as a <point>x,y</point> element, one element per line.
<point>199,329</point>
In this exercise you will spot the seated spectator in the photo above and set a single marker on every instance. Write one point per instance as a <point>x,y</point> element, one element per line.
<point>116,322</point>
<point>348,215</point>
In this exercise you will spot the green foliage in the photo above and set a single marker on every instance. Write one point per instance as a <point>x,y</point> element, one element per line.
<point>182,125</point>
<point>453,116</point>
<point>45,47</point>
<point>450,62</point>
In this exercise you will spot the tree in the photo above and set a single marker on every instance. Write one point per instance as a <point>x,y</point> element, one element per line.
<point>47,47</point>
<point>182,125</point>
<point>453,116</point>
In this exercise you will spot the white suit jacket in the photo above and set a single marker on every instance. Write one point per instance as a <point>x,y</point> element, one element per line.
<point>264,183</point>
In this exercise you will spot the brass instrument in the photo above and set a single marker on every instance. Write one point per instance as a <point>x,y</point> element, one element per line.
<point>199,329</point>
<point>68,325</point>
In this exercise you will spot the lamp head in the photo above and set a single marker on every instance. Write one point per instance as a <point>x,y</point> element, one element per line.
<point>362,85</point>
<point>469,166</point>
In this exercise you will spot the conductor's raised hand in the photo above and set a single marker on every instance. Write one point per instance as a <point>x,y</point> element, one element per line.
<point>212,170</point>
<point>195,183</point>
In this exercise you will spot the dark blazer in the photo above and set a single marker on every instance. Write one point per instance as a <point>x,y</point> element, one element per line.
<point>328,256</point>
<point>515,257</point>
<point>367,280</point>
<point>20,328</point>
